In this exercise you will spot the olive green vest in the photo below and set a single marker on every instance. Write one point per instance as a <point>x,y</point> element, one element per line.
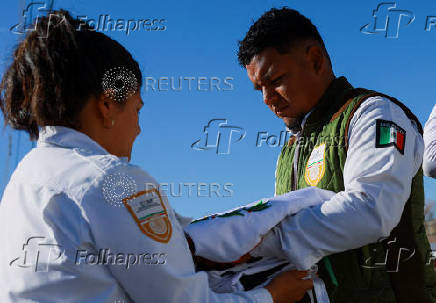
<point>359,275</point>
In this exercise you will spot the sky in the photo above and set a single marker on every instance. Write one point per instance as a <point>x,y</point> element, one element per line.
<point>192,80</point>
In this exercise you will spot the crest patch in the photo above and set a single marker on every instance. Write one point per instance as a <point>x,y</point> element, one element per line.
<point>315,167</point>
<point>149,212</point>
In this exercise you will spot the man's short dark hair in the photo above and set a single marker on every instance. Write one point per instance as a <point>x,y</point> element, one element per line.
<point>277,28</point>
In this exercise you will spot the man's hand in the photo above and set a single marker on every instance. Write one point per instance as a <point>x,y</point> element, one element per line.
<point>289,287</point>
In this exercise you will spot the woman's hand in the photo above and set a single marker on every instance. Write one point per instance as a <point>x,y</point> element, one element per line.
<point>289,287</point>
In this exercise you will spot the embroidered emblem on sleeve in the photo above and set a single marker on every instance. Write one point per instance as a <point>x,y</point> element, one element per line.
<point>315,167</point>
<point>390,134</point>
<point>149,212</point>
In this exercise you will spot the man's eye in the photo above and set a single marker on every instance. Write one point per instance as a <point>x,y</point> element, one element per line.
<point>276,80</point>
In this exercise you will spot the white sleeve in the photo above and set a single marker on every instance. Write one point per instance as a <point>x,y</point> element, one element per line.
<point>155,259</point>
<point>429,162</point>
<point>377,185</point>
<point>183,221</point>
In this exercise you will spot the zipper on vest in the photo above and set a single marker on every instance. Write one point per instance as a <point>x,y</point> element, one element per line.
<point>295,165</point>
<point>294,171</point>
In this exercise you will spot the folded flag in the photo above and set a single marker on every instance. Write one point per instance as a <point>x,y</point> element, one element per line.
<point>225,237</point>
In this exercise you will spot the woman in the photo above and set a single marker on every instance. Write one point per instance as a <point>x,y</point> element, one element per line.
<point>79,223</point>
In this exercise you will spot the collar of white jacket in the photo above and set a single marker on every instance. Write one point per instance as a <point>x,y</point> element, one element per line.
<point>66,137</point>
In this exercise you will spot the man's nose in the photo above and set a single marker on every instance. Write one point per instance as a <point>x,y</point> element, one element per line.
<point>269,96</point>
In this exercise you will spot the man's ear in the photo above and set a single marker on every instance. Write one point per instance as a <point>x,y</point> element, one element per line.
<point>106,110</point>
<point>316,57</point>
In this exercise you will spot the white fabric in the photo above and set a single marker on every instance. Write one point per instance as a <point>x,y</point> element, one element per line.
<point>377,185</point>
<point>226,239</point>
<point>320,291</point>
<point>230,280</point>
<point>55,195</point>
<point>429,162</point>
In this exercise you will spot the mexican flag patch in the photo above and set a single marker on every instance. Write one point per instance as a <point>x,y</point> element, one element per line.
<point>390,134</point>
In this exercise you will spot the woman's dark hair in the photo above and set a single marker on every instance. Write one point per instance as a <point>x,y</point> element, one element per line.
<point>277,28</point>
<point>55,69</point>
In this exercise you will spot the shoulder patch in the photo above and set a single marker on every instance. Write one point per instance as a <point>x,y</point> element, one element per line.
<point>390,134</point>
<point>315,167</point>
<point>149,212</point>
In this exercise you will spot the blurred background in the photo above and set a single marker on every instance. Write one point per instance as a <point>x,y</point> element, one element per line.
<point>206,135</point>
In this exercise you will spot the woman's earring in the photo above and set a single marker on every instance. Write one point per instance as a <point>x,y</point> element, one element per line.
<point>113,122</point>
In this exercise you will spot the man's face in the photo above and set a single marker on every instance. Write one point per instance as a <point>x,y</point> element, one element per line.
<point>290,82</point>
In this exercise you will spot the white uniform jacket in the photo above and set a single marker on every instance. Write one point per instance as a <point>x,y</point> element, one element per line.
<point>81,225</point>
<point>378,174</point>
<point>429,162</point>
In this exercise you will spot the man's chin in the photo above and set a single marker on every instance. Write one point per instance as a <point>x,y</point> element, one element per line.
<point>294,124</point>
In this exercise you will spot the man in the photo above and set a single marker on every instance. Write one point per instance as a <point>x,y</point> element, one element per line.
<point>365,146</point>
<point>429,163</point>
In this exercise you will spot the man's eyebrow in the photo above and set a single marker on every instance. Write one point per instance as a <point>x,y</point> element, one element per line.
<point>267,76</point>
<point>264,78</point>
